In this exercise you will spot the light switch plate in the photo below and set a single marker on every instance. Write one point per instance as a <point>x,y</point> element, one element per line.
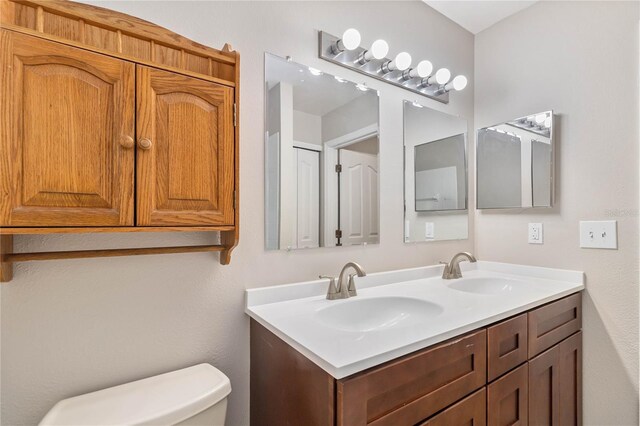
<point>429,230</point>
<point>599,234</point>
<point>535,233</point>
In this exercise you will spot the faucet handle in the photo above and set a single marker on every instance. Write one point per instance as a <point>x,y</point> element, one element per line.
<point>332,292</point>
<point>351,288</point>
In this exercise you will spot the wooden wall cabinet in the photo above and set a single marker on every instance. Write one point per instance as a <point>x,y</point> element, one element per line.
<point>112,124</point>
<point>451,383</point>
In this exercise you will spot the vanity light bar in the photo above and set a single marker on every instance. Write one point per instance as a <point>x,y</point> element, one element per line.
<point>423,79</point>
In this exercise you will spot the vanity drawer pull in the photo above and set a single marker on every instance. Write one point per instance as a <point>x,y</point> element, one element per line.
<point>415,387</point>
<point>506,346</point>
<point>554,322</point>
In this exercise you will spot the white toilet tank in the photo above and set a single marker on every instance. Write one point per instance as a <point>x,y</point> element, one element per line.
<point>193,396</point>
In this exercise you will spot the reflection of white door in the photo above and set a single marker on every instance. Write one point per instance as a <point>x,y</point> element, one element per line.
<point>308,198</point>
<point>359,216</point>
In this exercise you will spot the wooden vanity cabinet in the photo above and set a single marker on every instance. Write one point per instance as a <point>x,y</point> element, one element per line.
<point>485,377</point>
<point>109,123</point>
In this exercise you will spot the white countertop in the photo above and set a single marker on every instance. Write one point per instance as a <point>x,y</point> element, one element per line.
<point>294,312</point>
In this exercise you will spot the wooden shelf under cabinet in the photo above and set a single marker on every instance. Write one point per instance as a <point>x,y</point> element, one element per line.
<point>113,124</point>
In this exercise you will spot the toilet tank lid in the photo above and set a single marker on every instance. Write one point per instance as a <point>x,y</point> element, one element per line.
<point>164,399</point>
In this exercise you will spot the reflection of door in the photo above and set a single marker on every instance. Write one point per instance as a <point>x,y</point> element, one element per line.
<point>308,198</point>
<point>359,216</point>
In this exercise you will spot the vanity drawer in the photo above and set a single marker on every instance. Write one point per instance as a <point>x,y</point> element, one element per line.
<point>470,411</point>
<point>413,388</point>
<point>554,322</point>
<point>506,346</point>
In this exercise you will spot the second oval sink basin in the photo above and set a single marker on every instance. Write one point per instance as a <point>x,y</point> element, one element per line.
<point>482,285</point>
<point>378,313</point>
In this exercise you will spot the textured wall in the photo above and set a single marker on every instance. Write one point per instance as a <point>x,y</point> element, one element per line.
<point>74,326</point>
<point>581,60</point>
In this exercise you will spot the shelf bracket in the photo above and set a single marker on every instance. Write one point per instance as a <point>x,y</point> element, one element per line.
<point>6,268</point>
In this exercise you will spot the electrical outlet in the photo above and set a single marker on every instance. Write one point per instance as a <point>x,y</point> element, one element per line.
<point>599,234</point>
<point>535,233</point>
<point>429,230</point>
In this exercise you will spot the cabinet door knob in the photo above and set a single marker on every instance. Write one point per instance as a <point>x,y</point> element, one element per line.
<point>144,143</point>
<point>126,142</point>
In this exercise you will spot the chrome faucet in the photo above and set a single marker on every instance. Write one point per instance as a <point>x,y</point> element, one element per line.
<point>344,290</point>
<point>452,269</point>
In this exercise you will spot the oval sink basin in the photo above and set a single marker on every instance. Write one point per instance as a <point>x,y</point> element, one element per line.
<point>482,285</point>
<point>379,313</point>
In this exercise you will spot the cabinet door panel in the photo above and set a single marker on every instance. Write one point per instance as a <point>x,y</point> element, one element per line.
<point>186,175</point>
<point>570,378</point>
<point>507,399</point>
<point>67,115</point>
<point>544,396</point>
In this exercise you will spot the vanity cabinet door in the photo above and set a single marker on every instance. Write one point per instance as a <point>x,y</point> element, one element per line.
<point>66,135</point>
<point>570,378</point>
<point>471,411</point>
<point>544,388</point>
<point>185,159</point>
<point>413,388</point>
<point>507,399</point>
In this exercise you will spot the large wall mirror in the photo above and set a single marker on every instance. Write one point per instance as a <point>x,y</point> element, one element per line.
<point>321,159</point>
<point>515,163</point>
<point>435,175</point>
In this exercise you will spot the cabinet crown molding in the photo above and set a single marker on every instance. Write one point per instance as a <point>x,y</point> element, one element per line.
<point>120,35</point>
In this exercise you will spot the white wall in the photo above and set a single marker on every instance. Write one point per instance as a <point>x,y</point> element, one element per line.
<point>74,326</point>
<point>581,60</point>
<point>307,127</point>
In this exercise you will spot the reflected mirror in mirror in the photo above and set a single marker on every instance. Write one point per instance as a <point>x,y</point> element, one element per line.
<point>435,175</point>
<point>515,163</point>
<point>321,159</point>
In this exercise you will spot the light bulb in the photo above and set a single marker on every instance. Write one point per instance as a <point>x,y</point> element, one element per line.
<point>441,77</point>
<point>362,87</point>
<point>315,71</point>
<point>350,40</point>
<point>422,70</point>
<point>339,79</point>
<point>540,118</point>
<point>547,122</point>
<point>379,50</point>
<point>458,83</point>
<point>401,62</point>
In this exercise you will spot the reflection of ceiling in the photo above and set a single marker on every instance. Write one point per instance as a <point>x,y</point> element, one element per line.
<point>313,94</point>
<point>478,15</point>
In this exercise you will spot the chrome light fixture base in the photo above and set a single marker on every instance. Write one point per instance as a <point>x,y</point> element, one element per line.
<point>353,60</point>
